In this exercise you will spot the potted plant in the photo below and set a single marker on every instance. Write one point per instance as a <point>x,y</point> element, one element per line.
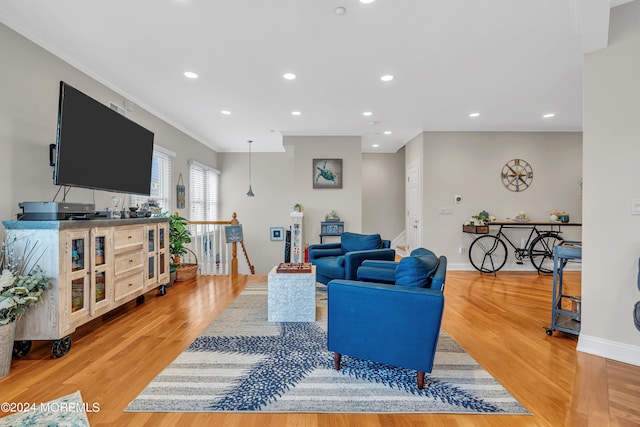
<point>22,282</point>
<point>178,237</point>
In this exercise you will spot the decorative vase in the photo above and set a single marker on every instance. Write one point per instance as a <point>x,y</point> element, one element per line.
<point>7,336</point>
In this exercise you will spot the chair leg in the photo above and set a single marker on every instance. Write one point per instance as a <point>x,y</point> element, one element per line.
<point>420,380</point>
<point>336,361</point>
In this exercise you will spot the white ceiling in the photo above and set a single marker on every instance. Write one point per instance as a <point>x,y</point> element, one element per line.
<point>510,60</point>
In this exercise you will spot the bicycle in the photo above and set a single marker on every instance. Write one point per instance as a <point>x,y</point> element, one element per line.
<point>488,253</point>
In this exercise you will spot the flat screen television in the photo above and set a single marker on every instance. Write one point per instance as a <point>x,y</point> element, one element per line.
<point>99,148</point>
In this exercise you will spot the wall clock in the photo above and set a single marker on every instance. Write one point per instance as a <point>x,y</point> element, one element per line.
<point>517,175</point>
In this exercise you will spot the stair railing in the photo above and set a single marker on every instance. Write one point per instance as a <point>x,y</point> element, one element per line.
<point>214,255</point>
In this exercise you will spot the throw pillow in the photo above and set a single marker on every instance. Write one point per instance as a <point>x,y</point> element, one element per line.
<point>416,271</point>
<point>359,242</point>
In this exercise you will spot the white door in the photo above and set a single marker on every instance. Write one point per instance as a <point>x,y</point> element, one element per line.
<point>414,203</point>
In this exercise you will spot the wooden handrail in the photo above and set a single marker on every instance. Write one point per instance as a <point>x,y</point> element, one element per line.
<point>234,248</point>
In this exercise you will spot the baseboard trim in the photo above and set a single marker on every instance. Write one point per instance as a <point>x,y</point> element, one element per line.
<point>466,266</point>
<point>613,350</point>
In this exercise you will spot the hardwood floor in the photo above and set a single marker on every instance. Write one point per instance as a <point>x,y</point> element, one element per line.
<point>499,320</point>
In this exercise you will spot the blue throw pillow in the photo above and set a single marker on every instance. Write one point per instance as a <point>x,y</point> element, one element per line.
<point>416,271</point>
<point>359,242</point>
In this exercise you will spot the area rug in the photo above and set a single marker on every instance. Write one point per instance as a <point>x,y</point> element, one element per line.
<point>67,411</point>
<point>242,362</point>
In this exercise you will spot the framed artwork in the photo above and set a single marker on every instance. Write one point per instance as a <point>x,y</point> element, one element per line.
<point>180,193</point>
<point>233,233</point>
<point>277,233</point>
<point>327,173</point>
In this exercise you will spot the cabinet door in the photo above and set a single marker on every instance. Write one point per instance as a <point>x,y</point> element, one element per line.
<point>151,263</point>
<point>102,271</point>
<point>163,253</point>
<point>76,267</point>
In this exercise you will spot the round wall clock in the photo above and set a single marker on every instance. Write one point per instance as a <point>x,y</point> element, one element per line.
<point>517,175</point>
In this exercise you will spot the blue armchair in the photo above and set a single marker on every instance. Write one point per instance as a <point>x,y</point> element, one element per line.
<point>421,268</point>
<point>341,260</point>
<point>396,324</point>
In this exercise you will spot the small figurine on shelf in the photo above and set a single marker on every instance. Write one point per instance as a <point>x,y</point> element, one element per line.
<point>332,217</point>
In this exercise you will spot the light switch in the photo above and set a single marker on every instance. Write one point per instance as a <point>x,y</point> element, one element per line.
<point>445,211</point>
<point>635,206</point>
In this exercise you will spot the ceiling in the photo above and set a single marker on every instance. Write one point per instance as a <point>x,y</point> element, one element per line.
<point>511,61</point>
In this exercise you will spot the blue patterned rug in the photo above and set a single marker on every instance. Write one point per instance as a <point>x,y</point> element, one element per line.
<point>241,362</point>
<point>67,411</point>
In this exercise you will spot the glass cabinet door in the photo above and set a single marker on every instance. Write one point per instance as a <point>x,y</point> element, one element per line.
<point>161,250</point>
<point>151,256</point>
<point>77,254</point>
<point>76,273</point>
<point>101,271</point>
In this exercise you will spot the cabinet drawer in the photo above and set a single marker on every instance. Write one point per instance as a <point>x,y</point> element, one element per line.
<point>128,284</point>
<point>128,238</point>
<point>125,263</point>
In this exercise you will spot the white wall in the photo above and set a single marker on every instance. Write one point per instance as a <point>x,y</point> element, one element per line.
<point>470,164</point>
<point>279,181</point>
<point>611,180</point>
<point>383,196</point>
<point>29,86</point>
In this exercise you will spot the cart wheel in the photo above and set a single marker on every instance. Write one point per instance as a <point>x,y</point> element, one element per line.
<point>140,300</point>
<point>21,348</point>
<point>549,331</point>
<point>162,290</point>
<point>61,347</point>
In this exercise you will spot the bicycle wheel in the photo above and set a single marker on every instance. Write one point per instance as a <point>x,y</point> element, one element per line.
<point>488,254</point>
<point>541,251</point>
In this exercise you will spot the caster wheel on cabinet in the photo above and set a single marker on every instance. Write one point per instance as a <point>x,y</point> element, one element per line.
<point>61,347</point>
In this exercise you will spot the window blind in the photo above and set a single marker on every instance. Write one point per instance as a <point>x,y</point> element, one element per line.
<point>204,192</point>
<point>161,174</point>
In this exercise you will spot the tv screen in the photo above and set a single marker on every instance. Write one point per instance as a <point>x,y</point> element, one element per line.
<point>99,148</point>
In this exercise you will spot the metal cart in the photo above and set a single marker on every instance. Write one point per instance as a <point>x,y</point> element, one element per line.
<point>564,319</point>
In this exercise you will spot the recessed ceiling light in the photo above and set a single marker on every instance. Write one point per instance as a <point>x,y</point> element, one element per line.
<point>289,76</point>
<point>340,10</point>
<point>548,115</point>
<point>387,132</point>
<point>366,1</point>
<point>376,145</point>
<point>225,112</point>
<point>296,113</point>
<point>474,114</point>
<point>367,113</point>
<point>386,78</point>
<point>190,75</point>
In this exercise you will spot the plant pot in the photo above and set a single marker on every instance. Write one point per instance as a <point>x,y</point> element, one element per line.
<point>7,336</point>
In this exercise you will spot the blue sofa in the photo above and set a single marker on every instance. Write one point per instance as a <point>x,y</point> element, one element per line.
<point>341,260</point>
<point>396,324</point>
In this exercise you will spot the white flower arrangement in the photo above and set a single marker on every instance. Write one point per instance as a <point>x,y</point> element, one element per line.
<point>22,281</point>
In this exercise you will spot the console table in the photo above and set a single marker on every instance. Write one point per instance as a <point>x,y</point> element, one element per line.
<point>95,266</point>
<point>331,228</point>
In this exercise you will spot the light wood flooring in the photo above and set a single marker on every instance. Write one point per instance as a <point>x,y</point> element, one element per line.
<point>499,320</point>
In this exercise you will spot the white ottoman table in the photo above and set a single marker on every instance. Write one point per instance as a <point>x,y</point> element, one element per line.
<point>292,296</point>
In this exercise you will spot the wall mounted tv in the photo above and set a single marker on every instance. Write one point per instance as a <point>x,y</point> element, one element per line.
<point>99,148</point>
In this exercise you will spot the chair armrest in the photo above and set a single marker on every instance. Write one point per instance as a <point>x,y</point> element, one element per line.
<point>323,250</point>
<point>379,264</point>
<point>353,260</point>
<point>437,282</point>
<point>384,323</point>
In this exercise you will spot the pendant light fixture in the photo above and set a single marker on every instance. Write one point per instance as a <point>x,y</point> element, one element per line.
<point>250,192</point>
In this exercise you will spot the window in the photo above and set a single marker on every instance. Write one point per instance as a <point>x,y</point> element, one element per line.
<point>161,173</point>
<point>204,192</point>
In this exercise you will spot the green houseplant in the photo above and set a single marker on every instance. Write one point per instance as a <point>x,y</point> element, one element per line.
<point>178,237</point>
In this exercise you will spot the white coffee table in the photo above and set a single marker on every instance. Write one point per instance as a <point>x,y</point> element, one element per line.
<point>292,296</point>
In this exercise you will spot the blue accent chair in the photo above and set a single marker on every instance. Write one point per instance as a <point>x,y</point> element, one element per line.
<point>341,260</point>
<point>396,324</point>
